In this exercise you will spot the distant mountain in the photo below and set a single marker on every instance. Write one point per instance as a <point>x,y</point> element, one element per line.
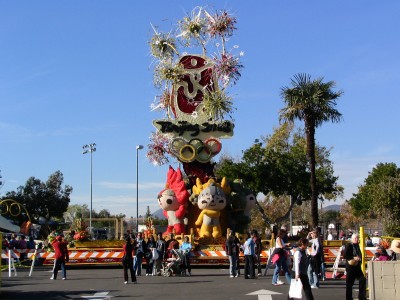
<point>334,207</point>
<point>159,214</point>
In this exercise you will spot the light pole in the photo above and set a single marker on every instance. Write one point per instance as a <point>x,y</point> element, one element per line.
<point>90,149</point>
<point>138,147</point>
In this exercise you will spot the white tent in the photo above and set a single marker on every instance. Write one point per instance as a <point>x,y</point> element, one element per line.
<point>7,225</point>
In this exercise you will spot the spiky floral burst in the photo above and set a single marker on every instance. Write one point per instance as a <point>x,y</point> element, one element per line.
<point>217,104</point>
<point>163,45</point>
<point>193,27</point>
<point>162,102</point>
<point>167,72</point>
<point>221,25</point>
<point>158,149</point>
<point>227,68</point>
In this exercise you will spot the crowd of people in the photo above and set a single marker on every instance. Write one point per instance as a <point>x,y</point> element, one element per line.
<point>308,258</point>
<point>155,252</point>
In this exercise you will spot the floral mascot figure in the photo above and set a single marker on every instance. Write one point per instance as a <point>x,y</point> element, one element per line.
<point>242,201</point>
<point>173,200</point>
<point>211,200</point>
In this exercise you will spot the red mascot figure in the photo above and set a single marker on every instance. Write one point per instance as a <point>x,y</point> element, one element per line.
<point>173,200</point>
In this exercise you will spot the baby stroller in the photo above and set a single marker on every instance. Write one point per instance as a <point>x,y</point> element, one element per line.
<point>175,264</point>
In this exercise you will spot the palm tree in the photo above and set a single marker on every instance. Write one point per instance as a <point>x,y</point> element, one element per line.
<point>313,102</point>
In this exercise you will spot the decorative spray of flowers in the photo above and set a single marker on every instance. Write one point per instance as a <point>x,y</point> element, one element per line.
<point>158,148</point>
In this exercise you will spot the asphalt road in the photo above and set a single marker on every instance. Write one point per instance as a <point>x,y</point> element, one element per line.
<point>204,284</point>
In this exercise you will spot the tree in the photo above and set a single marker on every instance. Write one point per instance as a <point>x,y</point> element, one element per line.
<point>277,167</point>
<point>362,201</point>
<point>313,102</point>
<point>380,196</point>
<point>43,199</point>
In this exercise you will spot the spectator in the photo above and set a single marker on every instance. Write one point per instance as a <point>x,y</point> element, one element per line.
<point>22,247</point>
<point>187,247</point>
<point>248,248</point>
<point>395,248</point>
<point>300,268</point>
<point>352,254</point>
<point>330,236</point>
<point>314,268</point>
<point>60,257</point>
<point>140,248</point>
<point>282,261</point>
<point>172,243</point>
<point>150,247</point>
<point>257,252</point>
<point>31,243</point>
<point>160,245</point>
<point>232,250</point>
<point>381,254</point>
<point>368,241</point>
<point>127,260</point>
<point>376,240</point>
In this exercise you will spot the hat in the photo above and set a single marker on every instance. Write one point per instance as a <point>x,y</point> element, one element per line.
<point>395,246</point>
<point>376,233</point>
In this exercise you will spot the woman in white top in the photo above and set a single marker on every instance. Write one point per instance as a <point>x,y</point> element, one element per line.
<point>281,263</point>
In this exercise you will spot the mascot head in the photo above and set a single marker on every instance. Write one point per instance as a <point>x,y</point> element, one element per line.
<point>167,200</point>
<point>212,197</point>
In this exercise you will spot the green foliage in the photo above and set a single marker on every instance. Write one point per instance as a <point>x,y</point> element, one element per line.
<point>380,196</point>
<point>277,166</point>
<point>43,199</point>
<point>362,201</point>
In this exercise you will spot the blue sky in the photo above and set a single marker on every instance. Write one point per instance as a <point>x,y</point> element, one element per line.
<point>78,72</point>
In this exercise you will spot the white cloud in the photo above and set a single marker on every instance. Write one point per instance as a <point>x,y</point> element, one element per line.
<point>132,186</point>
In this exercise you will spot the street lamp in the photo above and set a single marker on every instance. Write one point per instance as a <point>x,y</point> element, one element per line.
<point>138,147</point>
<point>90,149</point>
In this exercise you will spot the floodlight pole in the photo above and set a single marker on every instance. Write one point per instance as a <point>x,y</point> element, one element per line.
<point>90,149</point>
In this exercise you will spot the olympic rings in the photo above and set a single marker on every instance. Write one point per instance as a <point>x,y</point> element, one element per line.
<point>195,149</point>
<point>176,145</point>
<point>187,153</point>
<point>211,144</point>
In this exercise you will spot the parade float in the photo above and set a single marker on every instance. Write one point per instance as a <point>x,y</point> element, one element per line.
<point>197,115</point>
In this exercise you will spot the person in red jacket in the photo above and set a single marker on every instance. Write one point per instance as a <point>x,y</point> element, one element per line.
<point>60,257</point>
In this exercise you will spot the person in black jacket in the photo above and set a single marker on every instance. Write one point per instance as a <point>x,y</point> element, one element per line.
<point>257,252</point>
<point>127,260</point>
<point>232,250</point>
<point>353,256</point>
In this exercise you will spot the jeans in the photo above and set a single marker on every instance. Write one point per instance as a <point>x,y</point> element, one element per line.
<point>137,265</point>
<point>232,264</point>
<point>312,276</point>
<point>59,264</point>
<point>281,263</point>
<point>249,266</point>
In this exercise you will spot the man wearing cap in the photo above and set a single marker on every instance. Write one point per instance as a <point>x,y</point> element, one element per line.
<point>60,257</point>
